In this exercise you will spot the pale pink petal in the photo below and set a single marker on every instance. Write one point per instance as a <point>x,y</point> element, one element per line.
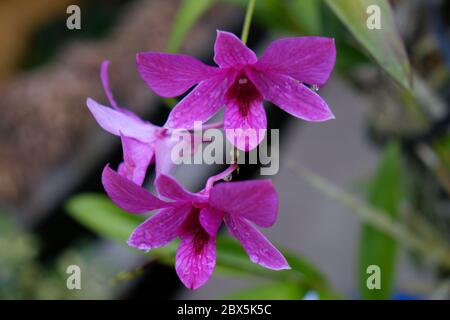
<point>307,59</point>
<point>211,219</point>
<point>202,102</point>
<point>170,75</point>
<point>196,257</point>
<point>163,155</point>
<point>105,83</point>
<point>168,187</point>
<point>291,96</point>
<point>117,122</point>
<point>137,157</point>
<point>229,51</point>
<point>259,249</point>
<point>128,195</point>
<point>159,229</point>
<point>245,130</point>
<point>255,200</point>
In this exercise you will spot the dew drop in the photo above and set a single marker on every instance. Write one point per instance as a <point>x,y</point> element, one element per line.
<point>315,87</point>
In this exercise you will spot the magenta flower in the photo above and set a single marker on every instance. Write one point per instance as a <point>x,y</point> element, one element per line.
<point>196,217</point>
<point>242,81</point>
<point>142,142</point>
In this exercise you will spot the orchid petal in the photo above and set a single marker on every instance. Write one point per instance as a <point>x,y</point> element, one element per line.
<point>291,96</point>
<point>117,122</point>
<point>137,157</point>
<point>259,249</point>
<point>255,200</point>
<point>196,258</point>
<point>128,195</point>
<point>105,83</point>
<point>245,131</point>
<point>168,187</point>
<point>229,51</point>
<point>163,155</point>
<point>159,229</point>
<point>306,59</point>
<point>170,75</point>
<point>202,102</point>
<point>211,219</point>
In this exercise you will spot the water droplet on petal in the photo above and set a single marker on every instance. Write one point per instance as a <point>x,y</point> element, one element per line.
<point>315,87</point>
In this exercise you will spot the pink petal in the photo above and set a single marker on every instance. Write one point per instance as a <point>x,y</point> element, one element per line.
<point>128,195</point>
<point>307,59</point>
<point>211,219</point>
<point>201,103</point>
<point>137,157</point>
<point>259,249</point>
<point>229,51</point>
<point>255,200</point>
<point>291,96</point>
<point>159,229</point>
<point>117,122</point>
<point>170,75</point>
<point>245,130</point>
<point>168,187</point>
<point>196,258</point>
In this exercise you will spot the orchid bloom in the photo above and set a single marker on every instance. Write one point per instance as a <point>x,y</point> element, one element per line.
<point>242,81</point>
<point>196,218</point>
<point>143,143</point>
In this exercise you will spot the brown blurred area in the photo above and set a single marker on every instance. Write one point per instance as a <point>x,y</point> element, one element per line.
<point>22,16</point>
<point>44,123</point>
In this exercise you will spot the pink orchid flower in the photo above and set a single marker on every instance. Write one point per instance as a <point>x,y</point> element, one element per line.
<point>242,81</point>
<point>143,143</point>
<point>196,218</point>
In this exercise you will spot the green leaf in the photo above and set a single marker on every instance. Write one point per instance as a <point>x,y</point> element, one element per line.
<point>188,14</point>
<point>377,248</point>
<point>307,13</point>
<point>270,291</point>
<point>384,45</point>
<point>99,214</point>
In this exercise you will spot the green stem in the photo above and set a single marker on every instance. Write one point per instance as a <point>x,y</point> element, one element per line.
<point>248,20</point>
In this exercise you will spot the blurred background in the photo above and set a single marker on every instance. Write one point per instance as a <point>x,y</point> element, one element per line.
<point>371,187</point>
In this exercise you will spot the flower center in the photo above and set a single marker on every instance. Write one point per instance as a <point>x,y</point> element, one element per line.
<point>243,92</point>
<point>192,226</point>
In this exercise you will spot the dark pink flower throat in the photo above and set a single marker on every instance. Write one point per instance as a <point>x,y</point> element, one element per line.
<point>243,92</point>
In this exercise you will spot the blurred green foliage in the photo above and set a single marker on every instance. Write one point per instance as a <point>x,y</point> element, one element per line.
<point>24,276</point>
<point>377,248</point>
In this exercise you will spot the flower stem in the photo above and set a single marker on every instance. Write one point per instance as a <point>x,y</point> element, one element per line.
<point>248,20</point>
<point>220,176</point>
